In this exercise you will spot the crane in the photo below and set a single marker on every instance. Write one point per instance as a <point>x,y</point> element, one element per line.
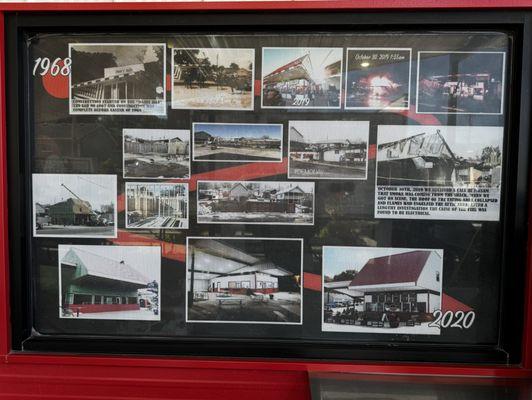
<point>71,192</point>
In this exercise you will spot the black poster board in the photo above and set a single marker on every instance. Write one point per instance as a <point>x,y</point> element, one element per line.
<point>318,191</point>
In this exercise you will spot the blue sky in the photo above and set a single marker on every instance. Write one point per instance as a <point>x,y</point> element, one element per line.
<point>241,130</point>
<point>338,259</point>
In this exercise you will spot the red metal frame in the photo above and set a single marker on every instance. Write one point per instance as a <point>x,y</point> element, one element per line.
<point>75,377</point>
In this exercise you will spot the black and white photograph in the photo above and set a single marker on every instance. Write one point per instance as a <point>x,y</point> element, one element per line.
<point>439,172</point>
<point>156,205</point>
<point>156,153</point>
<point>118,78</point>
<point>261,203</point>
<point>238,142</point>
<point>244,280</point>
<point>298,77</point>
<point>328,149</point>
<point>460,82</point>
<point>378,78</point>
<point>381,289</point>
<point>70,205</point>
<point>213,79</point>
<point>109,282</point>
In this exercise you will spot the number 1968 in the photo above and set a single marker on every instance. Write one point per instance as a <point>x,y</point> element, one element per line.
<point>43,65</point>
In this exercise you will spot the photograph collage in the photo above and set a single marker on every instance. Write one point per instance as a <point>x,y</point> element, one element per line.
<point>426,171</point>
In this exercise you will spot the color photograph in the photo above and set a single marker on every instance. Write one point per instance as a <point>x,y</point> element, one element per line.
<point>156,153</point>
<point>381,290</point>
<point>238,142</point>
<point>460,82</point>
<point>118,78</point>
<point>261,203</point>
<point>156,205</point>
<point>240,280</point>
<point>109,282</point>
<point>213,79</point>
<point>68,205</point>
<point>298,77</point>
<point>378,79</point>
<point>328,149</point>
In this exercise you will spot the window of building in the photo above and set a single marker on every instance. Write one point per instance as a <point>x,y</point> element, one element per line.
<point>82,299</point>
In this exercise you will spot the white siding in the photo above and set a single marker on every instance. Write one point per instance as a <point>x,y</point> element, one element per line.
<point>223,281</point>
<point>428,279</point>
<point>435,303</point>
<point>331,155</point>
<point>270,281</point>
<point>200,285</point>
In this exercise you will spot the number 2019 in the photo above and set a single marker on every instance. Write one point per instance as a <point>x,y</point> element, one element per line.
<point>43,65</point>
<point>450,319</point>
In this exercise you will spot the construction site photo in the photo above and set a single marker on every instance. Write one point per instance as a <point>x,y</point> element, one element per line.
<point>156,205</point>
<point>275,203</point>
<point>68,205</point>
<point>239,280</point>
<point>118,78</point>
<point>156,153</point>
<point>238,142</point>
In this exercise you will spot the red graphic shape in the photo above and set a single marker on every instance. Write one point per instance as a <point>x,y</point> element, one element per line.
<point>449,303</point>
<point>56,86</point>
<point>171,251</point>
<point>422,119</point>
<point>257,88</point>
<point>168,83</point>
<point>372,151</point>
<point>312,281</point>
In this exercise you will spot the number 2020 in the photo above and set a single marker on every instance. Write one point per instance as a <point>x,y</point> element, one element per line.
<point>43,65</point>
<point>450,319</point>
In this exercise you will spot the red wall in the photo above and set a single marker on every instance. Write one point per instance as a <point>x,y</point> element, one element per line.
<point>96,308</point>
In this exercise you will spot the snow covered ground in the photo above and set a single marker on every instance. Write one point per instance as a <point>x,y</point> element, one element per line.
<point>242,153</point>
<point>210,97</point>
<point>160,223</point>
<point>273,217</point>
<point>422,329</point>
<point>143,314</point>
<point>290,296</point>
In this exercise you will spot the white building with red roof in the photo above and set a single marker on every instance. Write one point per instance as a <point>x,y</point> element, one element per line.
<point>408,282</point>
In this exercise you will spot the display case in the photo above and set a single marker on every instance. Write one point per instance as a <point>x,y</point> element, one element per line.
<point>241,198</point>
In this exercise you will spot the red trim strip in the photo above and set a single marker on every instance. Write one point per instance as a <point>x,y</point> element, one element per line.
<point>5,326</point>
<point>269,5</point>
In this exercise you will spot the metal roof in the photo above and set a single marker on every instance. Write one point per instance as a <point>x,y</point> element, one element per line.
<point>103,267</point>
<point>393,269</point>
